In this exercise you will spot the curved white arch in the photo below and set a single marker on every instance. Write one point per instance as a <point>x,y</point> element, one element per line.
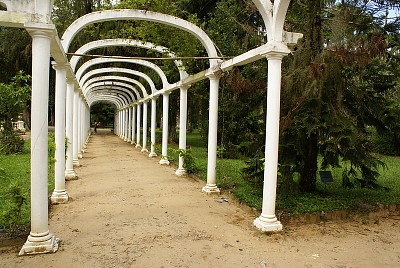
<point>123,97</point>
<point>120,70</point>
<point>125,42</point>
<point>110,86</point>
<point>115,85</point>
<point>101,97</point>
<point>139,62</point>
<point>133,14</point>
<point>116,78</point>
<point>106,101</point>
<point>273,15</point>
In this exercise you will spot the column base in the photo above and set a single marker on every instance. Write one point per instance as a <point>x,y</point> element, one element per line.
<point>125,139</point>
<point>70,175</point>
<point>80,155</point>
<point>270,224</point>
<point>164,161</point>
<point>180,172</point>
<point>138,145</point>
<point>144,150</point>
<point>211,189</point>
<point>39,245</point>
<point>132,142</point>
<point>76,163</point>
<point>59,197</point>
<point>152,154</point>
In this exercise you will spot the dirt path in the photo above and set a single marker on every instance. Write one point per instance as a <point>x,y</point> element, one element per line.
<point>128,211</point>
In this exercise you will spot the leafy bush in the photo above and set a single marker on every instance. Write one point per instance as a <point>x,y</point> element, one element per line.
<point>387,144</point>
<point>189,162</point>
<point>14,197</point>
<point>10,142</point>
<point>14,97</point>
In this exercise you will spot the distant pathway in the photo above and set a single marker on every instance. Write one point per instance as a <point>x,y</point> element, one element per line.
<point>128,211</point>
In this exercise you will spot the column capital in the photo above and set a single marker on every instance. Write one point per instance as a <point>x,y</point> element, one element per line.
<point>40,30</point>
<point>275,55</point>
<point>59,66</point>
<point>215,75</point>
<point>185,87</point>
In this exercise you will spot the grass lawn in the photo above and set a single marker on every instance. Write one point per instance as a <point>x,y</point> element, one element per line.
<point>229,177</point>
<point>15,170</point>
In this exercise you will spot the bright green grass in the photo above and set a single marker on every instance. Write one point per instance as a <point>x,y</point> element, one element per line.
<point>16,167</point>
<point>229,177</point>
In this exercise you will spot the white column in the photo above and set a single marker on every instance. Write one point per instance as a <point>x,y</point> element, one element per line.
<point>164,150</point>
<point>267,220</point>
<point>69,165</point>
<point>75,138</point>
<point>125,124</point>
<point>80,132</point>
<point>138,126</point>
<point>116,124</point>
<point>211,186</point>
<point>153,127</point>
<point>145,110</point>
<point>84,129</point>
<point>119,123</point>
<point>182,128</point>
<point>133,123</point>
<point>40,240</point>
<point>59,194</point>
<point>129,124</point>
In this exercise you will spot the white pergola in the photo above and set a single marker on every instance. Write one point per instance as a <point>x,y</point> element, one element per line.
<point>78,89</point>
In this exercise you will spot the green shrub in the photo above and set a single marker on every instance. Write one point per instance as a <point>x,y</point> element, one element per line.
<point>14,197</point>
<point>387,144</point>
<point>189,162</point>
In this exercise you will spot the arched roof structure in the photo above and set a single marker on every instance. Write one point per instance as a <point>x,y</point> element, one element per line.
<point>130,14</point>
<point>124,42</point>
<point>118,92</point>
<point>114,86</point>
<point>112,78</point>
<point>148,64</point>
<point>121,70</point>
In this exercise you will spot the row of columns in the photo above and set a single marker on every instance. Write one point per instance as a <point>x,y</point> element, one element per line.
<point>73,122</point>
<point>72,119</point>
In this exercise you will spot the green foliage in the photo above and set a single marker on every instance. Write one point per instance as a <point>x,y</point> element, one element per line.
<point>14,197</point>
<point>335,87</point>
<point>11,142</point>
<point>254,171</point>
<point>104,113</point>
<point>14,97</point>
<point>189,162</point>
<point>15,186</point>
<point>387,144</point>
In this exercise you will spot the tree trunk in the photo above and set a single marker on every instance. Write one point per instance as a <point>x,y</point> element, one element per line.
<point>173,112</point>
<point>308,173</point>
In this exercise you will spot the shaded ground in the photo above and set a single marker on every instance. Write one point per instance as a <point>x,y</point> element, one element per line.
<point>128,211</point>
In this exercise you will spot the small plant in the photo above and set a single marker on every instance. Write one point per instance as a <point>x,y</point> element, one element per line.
<point>189,162</point>
<point>15,196</point>
<point>254,172</point>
